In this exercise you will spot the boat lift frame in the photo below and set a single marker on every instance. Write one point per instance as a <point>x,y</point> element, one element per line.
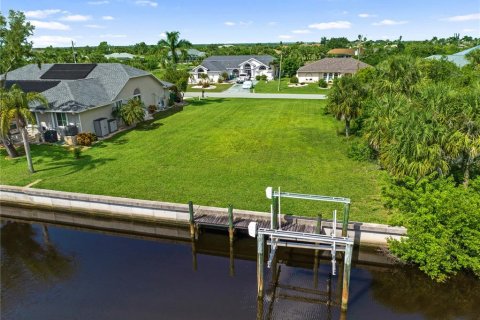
<point>283,238</point>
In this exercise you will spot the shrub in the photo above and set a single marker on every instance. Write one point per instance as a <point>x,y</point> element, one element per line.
<point>258,77</point>
<point>302,83</point>
<point>263,77</point>
<point>360,151</point>
<point>225,76</point>
<point>86,138</point>
<point>294,80</point>
<point>443,225</point>
<point>76,151</point>
<point>152,108</point>
<point>205,84</point>
<point>220,80</point>
<point>322,83</point>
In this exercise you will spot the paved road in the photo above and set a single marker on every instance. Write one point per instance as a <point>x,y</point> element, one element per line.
<point>227,94</point>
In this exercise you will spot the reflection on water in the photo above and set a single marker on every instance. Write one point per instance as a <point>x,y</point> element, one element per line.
<point>57,272</point>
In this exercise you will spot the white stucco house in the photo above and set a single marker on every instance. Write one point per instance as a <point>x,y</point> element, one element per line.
<point>329,69</point>
<point>234,66</point>
<point>78,94</point>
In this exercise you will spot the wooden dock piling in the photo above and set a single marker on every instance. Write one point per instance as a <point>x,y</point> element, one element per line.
<point>260,262</point>
<point>231,229</point>
<point>346,276</point>
<point>191,219</point>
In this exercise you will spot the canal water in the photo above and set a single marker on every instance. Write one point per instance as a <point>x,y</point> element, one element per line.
<point>53,271</point>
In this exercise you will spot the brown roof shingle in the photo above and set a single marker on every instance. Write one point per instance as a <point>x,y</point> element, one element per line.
<point>341,65</point>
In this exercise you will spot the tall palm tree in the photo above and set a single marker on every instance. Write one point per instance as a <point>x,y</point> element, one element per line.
<point>174,43</point>
<point>14,106</point>
<point>345,100</point>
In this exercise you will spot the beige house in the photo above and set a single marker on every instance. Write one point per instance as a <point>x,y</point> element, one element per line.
<point>80,94</point>
<point>329,69</point>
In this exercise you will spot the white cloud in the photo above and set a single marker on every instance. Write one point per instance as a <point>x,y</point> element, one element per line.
<point>467,17</point>
<point>98,2</point>
<point>76,18</point>
<point>163,35</point>
<point>388,22</point>
<point>41,14</point>
<point>94,26</point>
<point>301,31</point>
<point>108,18</point>
<point>50,25</point>
<point>146,3</point>
<point>229,23</point>
<point>55,41</point>
<point>331,25</point>
<point>109,35</point>
<point>272,23</point>
<point>285,36</point>
<point>367,15</point>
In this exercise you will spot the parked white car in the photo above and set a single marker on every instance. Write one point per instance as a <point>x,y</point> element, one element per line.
<point>247,85</point>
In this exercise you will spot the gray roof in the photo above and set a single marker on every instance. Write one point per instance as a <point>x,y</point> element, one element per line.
<point>341,65</point>
<point>100,87</point>
<point>120,55</point>
<point>222,63</point>
<point>458,58</point>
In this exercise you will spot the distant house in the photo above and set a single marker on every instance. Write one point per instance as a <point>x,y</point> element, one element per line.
<point>344,52</point>
<point>329,69</point>
<point>78,94</point>
<point>458,58</point>
<point>191,54</point>
<point>120,56</point>
<point>234,66</point>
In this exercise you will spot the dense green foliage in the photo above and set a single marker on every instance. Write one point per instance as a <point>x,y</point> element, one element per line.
<point>217,152</point>
<point>132,112</point>
<point>443,221</point>
<point>422,119</point>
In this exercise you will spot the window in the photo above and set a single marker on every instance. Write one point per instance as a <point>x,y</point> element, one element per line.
<point>118,104</point>
<point>137,94</point>
<point>262,68</point>
<point>61,119</point>
<point>325,76</point>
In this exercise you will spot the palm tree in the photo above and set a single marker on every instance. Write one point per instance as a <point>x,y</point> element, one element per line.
<point>174,43</point>
<point>14,106</point>
<point>133,111</point>
<point>346,99</point>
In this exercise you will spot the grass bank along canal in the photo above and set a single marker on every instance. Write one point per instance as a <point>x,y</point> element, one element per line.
<point>99,272</point>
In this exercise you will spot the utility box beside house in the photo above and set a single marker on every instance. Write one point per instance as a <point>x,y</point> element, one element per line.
<point>112,125</point>
<point>100,126</point>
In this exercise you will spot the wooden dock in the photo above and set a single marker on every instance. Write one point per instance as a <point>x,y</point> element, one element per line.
<point>222,221</point>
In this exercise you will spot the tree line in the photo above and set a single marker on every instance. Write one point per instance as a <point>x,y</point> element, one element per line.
<point>419,119</point>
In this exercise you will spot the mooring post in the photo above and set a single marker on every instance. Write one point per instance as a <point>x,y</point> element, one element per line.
<point>191,219</point>
<point>346,275</point>
<point>194,254</point>
<point>346,213</point>
<point>260,261</point>
<point>230,223</point>
<point>274,212</point>
<point>316,262</point>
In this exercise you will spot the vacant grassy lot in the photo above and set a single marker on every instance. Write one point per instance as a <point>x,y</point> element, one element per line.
<point>219,88</point>
<point>272,87</point>
<point>217,152</point>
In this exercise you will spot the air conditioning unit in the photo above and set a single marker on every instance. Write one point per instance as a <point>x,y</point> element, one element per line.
<point>101,127</point>
<point>112,125</point>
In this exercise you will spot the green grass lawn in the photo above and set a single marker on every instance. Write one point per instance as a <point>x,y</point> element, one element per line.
<point>272,87</point>
<point>220,87</point>
<point>217,152</point>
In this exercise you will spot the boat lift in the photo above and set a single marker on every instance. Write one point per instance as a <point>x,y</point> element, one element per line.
<point>283,238</point>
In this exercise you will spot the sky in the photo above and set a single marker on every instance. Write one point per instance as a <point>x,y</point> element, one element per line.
<point>125,22</point>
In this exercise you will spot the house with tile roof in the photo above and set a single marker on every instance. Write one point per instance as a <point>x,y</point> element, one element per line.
<point>458,58</point>
<point>345,52</point>
<point>329,69</point>
<point>79,94</point>
<point>234,66</point>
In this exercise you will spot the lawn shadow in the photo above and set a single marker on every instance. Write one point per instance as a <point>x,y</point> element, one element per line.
<point>148,125</point>
<point>85,162</point>
<point>205,101</point>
